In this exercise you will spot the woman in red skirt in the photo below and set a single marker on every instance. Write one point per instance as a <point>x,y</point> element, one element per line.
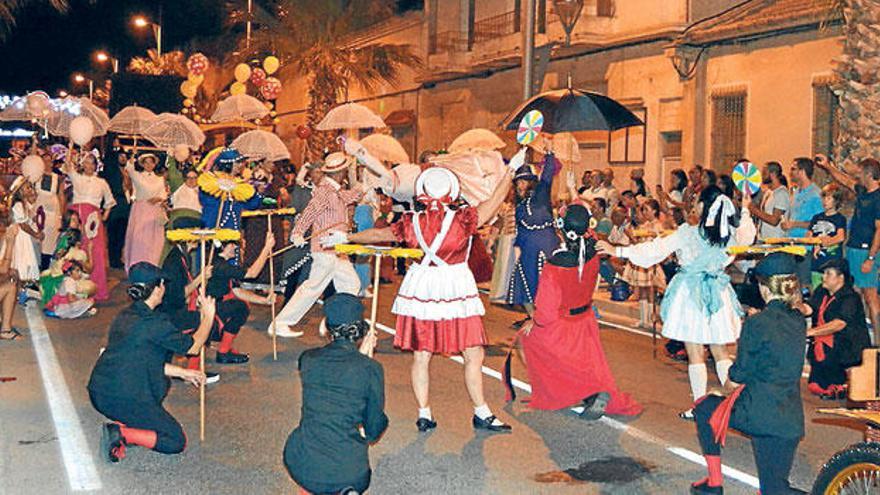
<point>438,307</point>
<point>561,345</point>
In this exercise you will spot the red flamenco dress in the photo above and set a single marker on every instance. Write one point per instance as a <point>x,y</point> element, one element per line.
<point>563,351</point>
<point>438,307</point>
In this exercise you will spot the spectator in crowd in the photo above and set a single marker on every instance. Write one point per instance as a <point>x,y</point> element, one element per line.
<point>647,280</point>
<point>612,195</point>
<point>637,184</point>
<point>678,194</point>
<point>805,204</point>
<point>8,282</point>
<point>864,236</point>
<point>774,203</point>
<point>830,227</point>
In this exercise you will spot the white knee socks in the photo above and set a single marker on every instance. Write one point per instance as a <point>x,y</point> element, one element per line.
<point>722,367</point>
<point>698,377</point>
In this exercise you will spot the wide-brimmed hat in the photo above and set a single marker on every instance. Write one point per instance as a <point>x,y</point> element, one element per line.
<point>141,158</point>
<point>336,162</point>
<point>438,183</point>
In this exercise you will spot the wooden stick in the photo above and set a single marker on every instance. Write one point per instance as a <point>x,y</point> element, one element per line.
<point>272,294</point>
<point>309,238</point>
<point>202,352</point>
<point>216,226</point>
<point>375,306</point>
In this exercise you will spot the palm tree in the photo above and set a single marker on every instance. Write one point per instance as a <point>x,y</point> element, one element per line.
<point>170,63</point>
<point>9,8</point>
<point>313,39</point>
<point>857,80</point>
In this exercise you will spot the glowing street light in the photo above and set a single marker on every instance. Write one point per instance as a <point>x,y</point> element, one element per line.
<point>63,94</point>
<point>142,22</point>
<point>102,57</point>
<point>80,79</point>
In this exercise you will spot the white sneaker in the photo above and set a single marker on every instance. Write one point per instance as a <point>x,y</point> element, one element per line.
<point>285,331</point>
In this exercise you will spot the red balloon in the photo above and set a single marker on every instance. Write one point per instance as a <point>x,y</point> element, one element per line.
<point>303,132</point>
<point>271,88</point>
<point>258,76</point>
<point>197,64</point>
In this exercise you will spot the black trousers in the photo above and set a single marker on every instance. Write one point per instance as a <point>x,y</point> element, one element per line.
<point>233,313</point>
<point>116,226</point>
<point>321,488</point>
<point>144,415</point>
<point>185,320</point>
<point>773,455</point>
<point>830,371</point>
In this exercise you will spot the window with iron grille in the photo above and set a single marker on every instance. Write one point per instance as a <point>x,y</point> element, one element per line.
<point>728,129</point>
<point>826,114</point>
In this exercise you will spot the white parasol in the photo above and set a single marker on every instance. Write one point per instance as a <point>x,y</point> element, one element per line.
<point>239,107</point>
<point>564,145</point>
<point>476,139</point>
<point>479,172</point>
<point>171,129</point>
<point>350,116</point>
<point>261,145</point>
<point>385,148</point>
<point>133,120</point>
<point>15,111</point>
<point>71,107</point>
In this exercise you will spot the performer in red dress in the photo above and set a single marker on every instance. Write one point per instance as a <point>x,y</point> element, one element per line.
<point>562,348</point>
<point>438,307</point>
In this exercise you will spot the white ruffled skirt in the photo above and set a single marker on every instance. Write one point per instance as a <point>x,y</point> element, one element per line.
<point>438,293</point>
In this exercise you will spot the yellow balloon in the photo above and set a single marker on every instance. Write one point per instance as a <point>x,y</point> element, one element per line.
<point>188,89</point>
<point>271,64</point>
<point>242,72</point>
<point>187,102</point>
<point>237,88</point>
<point>196,79</point>
<point>269,104</point>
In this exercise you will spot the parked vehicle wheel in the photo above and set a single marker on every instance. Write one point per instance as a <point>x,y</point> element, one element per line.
<point>853,471</point>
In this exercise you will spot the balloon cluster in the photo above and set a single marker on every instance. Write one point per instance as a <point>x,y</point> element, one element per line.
<point>269,88</point>
<point>197,65</point>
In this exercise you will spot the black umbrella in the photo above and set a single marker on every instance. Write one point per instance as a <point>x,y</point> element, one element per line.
<point>568,110</point>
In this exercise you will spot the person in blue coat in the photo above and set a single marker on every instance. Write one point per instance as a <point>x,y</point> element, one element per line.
<point>536,237</point>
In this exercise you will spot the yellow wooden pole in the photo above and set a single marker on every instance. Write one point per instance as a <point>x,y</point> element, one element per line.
<point>375,307</point>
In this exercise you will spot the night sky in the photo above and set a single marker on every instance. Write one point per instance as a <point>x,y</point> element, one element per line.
<point>46,47</point>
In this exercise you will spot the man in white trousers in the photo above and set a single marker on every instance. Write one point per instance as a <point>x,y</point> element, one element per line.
<point>327,210</point>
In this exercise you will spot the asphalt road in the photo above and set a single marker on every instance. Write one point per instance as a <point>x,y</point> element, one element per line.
<point>49,433</point>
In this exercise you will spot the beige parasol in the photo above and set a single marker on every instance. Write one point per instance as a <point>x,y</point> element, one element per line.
<point>261,145</point>
<point>476,139</point>
<point>385,148</point>
<point>71,107</point>
<point>133,120</point>
<point>171,129</point>
<point>350,116</point>
<point>239,107</point>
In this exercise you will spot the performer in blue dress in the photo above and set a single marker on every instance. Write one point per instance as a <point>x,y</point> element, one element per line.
<point>230,217</point>
<point>536,237</point>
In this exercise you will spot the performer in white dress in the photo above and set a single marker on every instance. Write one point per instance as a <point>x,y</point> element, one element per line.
<point>700,307</point>
<point>26,248</point>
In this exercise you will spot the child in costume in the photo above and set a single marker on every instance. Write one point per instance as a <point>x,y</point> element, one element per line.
<point>68,302</point>
<point>26,247</point>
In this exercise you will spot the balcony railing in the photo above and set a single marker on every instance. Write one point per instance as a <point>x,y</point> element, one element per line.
<point>496,26</point>
<point>450,41</point>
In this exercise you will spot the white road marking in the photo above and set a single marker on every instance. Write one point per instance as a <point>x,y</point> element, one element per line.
<point>686,454</point>
<point>81,472</point>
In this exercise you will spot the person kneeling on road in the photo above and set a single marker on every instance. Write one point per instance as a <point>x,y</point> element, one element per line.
<point>343,401</point>
<point>130,379</point>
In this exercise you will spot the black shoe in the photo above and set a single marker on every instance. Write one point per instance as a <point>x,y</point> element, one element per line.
<point>518,324</point>
<point>384,281</point>
<point>112,443</point>
<point>702,488</point>
<point>833,396</point>
<point>594,406</point>
<point>211,377</point>
<point>425,424</point>
<point>232,357</point>
<point>487,424</point>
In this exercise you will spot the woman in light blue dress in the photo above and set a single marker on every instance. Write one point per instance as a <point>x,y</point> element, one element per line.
<point>700,307</point>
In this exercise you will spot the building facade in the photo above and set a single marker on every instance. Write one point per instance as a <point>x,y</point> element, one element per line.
<point>713,80</point>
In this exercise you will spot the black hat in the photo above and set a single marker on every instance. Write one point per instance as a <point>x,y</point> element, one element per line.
<point>145,273</point>
<point>525,172</point>
<point>186,223</point>
<point>838,264</point>
<point>576,219</point>
<point>776,264</point>
<point>343,309</point>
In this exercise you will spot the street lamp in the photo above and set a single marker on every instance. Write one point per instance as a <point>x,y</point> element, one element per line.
<point>569,11</point>
<point>142,22</point>
<point>80,79</point>
<point>104,57</point>
<point>62,94</point>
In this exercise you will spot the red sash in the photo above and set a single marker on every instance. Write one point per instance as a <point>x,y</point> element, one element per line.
<point>823,341</point>
<point>720,419</point>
